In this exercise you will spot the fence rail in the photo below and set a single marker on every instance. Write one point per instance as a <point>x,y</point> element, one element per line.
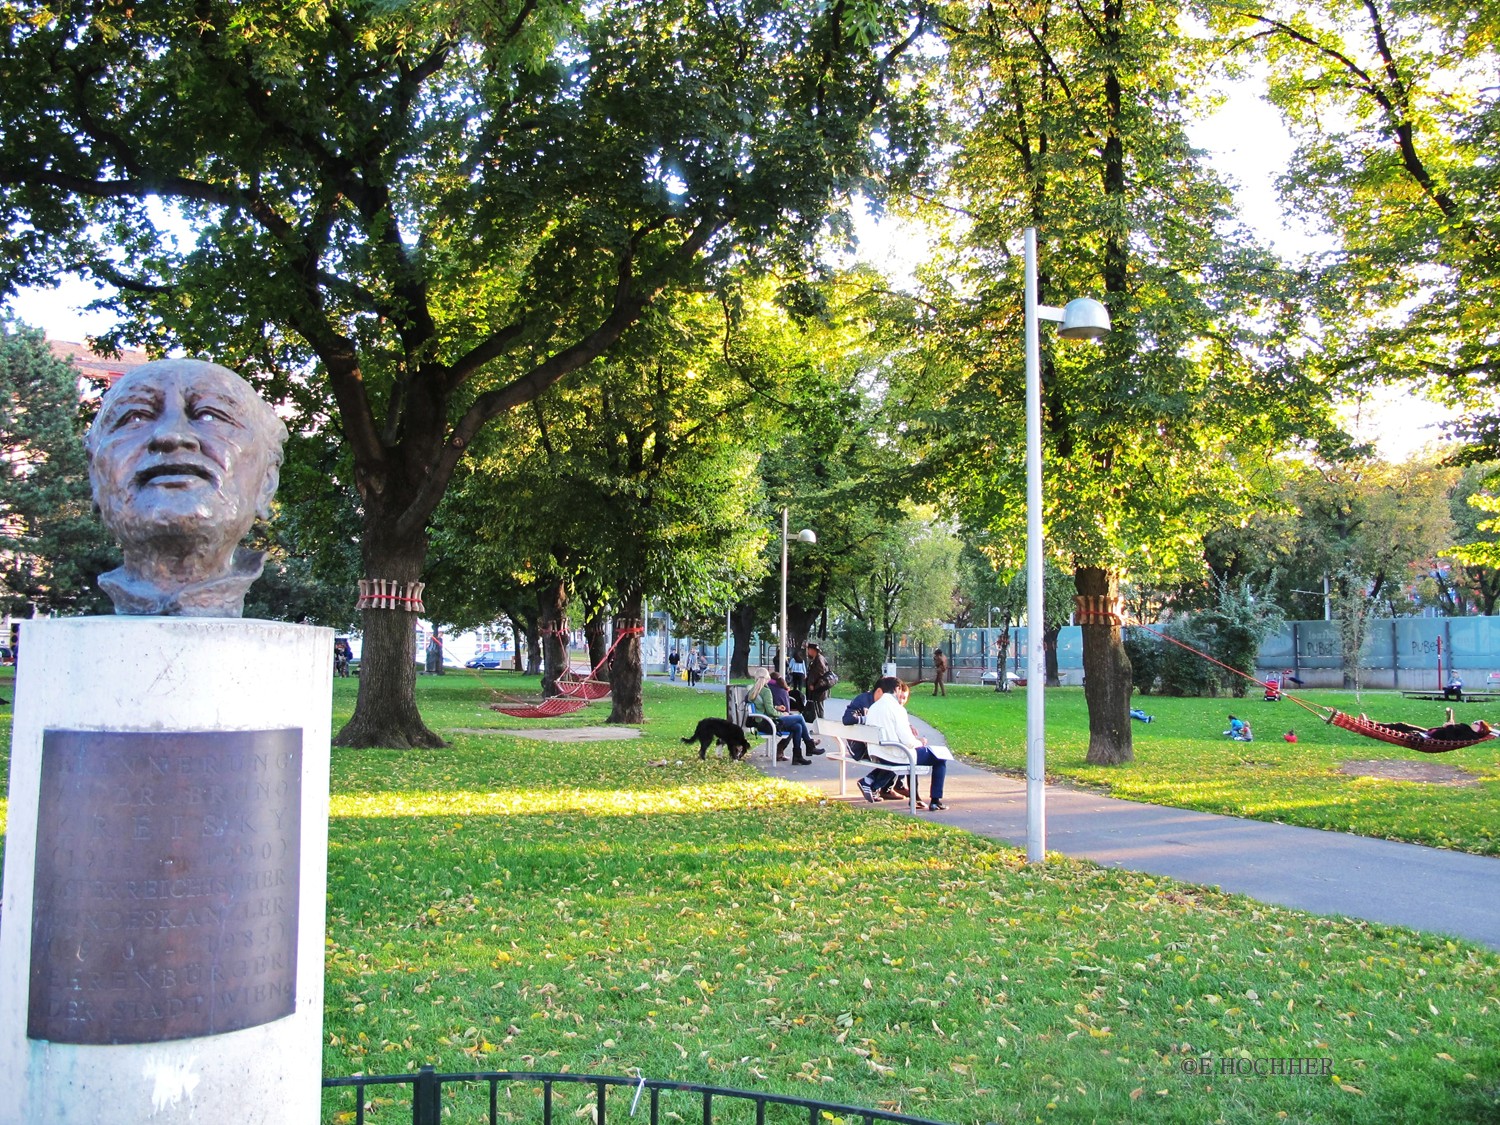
<point>427,1094</point>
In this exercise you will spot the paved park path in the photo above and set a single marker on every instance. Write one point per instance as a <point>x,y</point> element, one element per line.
<point>1444,892</point>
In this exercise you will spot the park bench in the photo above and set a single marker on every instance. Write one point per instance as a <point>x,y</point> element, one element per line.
<point>885,753</point>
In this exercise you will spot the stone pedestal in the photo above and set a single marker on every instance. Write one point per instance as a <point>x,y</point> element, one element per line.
<point>161,945</point>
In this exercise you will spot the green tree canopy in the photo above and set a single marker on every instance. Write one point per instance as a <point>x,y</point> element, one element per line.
<point>51,546</point>
<point>1394,106</point>
<point>1476,518</point>
<point>440,209</point>
<point>1072,119</point>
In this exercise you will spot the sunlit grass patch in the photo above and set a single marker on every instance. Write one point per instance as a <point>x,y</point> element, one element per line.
<point>742,792</point>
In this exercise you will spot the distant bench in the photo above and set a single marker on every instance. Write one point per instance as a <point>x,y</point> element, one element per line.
<point>1490,693</point>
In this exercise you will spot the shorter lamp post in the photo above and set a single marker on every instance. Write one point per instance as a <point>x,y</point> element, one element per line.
<point>806,535</point>
<point>1081,319</point>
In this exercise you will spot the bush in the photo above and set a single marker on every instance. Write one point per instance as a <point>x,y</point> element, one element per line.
<point>861,652</point>
<point>1145,653</point>
<point>1184,672</point>
<point>1234,629</point>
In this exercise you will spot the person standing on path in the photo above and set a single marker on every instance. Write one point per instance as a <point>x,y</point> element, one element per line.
<point>819,680</point>
<point>796,671</point>
<point>939,672</point>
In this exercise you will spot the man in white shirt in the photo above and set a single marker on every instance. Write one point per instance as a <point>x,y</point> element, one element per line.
<point>889,711</point>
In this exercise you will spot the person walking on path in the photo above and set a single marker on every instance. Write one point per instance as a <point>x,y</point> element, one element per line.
<point>939,672</point>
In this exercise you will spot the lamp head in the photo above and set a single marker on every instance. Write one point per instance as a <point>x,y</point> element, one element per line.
<point>1084,319</point>
<point>807,535</point>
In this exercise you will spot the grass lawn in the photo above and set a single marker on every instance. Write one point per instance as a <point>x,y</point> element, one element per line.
<point>1182,759</point>
<point>507,903</point>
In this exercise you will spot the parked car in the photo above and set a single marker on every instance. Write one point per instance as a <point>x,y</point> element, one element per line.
<point>491,660</point>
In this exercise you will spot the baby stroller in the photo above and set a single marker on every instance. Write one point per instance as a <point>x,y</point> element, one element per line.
<point>1273,689</point>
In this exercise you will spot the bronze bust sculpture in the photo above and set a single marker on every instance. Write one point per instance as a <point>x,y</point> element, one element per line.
<point>183,457</point>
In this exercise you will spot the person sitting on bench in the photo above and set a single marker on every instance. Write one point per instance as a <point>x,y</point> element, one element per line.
<point>889,712</point>
<point>878,782</point>
<point>795,725</point>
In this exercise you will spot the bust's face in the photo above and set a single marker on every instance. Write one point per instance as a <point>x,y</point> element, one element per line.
<point>181,450</point>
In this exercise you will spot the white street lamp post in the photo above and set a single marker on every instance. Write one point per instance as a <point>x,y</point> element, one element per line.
<point>806,535</point>
<point>1082,319</point>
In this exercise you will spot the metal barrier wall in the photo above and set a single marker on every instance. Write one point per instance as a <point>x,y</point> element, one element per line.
<point>1399,652</point>
<point>654,1099</point>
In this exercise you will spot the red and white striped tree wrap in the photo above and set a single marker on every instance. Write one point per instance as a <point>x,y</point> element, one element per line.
<point>383,593</point>
<point>1097,609</point>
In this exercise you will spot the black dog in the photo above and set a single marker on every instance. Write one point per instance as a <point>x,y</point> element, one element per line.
<point>722,730</point>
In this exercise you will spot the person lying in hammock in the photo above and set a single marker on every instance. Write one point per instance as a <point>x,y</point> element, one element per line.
<point>1449,731</point>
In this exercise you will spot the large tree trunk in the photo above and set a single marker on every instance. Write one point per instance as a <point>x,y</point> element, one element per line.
<point>385,712</point>
<point>533,653</point>
<point>742,621</point>
<point>552,624</point>
<point>1049,655</point>
<point>597,638</point>
<point>625,678</point>
<point>1106,670</point>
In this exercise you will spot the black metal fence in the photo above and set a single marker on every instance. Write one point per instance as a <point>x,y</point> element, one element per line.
<point>493,1096</point>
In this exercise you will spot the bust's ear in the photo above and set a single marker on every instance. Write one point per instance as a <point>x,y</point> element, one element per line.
<point>268,488</point>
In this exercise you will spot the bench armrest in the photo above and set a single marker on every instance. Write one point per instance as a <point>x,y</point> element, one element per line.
<point>893,753</point>
<point>762,723</point>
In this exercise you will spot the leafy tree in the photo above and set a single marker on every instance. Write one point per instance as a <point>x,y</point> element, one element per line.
<point>1353,607</point>
<point>52,548</point>
<point>861,652</point>
<point>1476,504</point>
<point>906,582</point>
<point>831,463</point>
<point>635,484</point>
<point>441,209</point>
<point>312,542</point>
<point>1359,517</point>
<point>1395,110</point>
<point>1240,620</point>
<point>1072,119</point>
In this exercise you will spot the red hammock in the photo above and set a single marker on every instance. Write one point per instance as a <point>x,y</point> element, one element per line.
<point>1409,739</point>
<point>546,709</point>
<point>586,688</point>
<point>587,685</point>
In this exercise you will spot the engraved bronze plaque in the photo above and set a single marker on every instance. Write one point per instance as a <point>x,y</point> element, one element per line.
<point>167,870</point>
